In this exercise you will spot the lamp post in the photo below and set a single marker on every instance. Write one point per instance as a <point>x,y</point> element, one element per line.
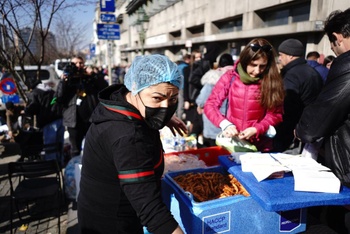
<point>142,27</point>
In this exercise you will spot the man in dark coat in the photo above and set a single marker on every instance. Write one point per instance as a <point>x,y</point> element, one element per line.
<point>302,84</point>
<point>323,118</point>
<point>77,94</point>
<point>200,67</point>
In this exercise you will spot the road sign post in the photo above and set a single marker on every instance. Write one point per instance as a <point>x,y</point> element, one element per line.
<point>108,31</point>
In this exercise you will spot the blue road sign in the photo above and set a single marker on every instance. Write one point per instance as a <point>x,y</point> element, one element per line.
<point>108,31</point>
<point>107,5</point>
<point>92,50</point>
<point>108,18</point>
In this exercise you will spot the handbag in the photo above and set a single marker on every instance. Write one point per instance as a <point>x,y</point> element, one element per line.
<point>338,159</point>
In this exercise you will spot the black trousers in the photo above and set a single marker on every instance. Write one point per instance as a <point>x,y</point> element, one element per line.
<point>121,223</point>
<point>77,135</point>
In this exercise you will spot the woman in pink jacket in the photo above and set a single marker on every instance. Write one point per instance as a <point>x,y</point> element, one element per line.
<point>254,89</point>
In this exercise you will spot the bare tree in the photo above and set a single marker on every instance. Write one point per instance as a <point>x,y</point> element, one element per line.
<point>25,25</point>
<point>70,35</point>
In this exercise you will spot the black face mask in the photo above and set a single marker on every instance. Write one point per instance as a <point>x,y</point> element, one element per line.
<point>157,118</point>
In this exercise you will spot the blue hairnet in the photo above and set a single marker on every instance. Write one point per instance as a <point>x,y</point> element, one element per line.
<point>148,70</point>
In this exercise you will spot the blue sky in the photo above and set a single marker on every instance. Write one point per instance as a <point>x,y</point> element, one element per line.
<point>84,14</point>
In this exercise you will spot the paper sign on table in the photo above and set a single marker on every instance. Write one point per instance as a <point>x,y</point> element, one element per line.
<point>308,174</point>
<point>316,181</point>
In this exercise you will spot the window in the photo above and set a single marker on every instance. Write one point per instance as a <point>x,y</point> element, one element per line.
<point>286,14</point>
<point>277,18</point>
<point>176,34</point>
<point>32,74</point>
<point>197,30</point>
<point>300,13</point>
<point>229,25</point>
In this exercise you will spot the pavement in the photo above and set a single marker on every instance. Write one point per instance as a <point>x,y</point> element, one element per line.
<point>44,218</point>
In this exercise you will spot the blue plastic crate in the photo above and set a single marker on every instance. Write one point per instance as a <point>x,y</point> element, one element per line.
<point>236,214</point>
<point>279,194</point>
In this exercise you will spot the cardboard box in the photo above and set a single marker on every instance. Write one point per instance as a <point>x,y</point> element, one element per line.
<point>236,214</point>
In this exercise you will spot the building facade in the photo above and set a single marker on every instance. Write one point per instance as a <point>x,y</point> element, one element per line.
<point>175,27</point>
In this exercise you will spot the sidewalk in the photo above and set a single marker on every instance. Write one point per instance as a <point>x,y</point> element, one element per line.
<point>72,225</point>
<point>44,220</point>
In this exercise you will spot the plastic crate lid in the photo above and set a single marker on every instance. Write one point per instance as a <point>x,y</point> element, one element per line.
<point>279,194</point>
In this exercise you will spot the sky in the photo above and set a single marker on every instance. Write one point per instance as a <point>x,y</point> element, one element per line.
<point>83,15</point>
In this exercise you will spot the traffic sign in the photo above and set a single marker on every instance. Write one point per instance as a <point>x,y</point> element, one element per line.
<point>107,5</point>
<point>92,49</point>
<point>108,18</point>
<point>8,86</point>
<point>108,31</point>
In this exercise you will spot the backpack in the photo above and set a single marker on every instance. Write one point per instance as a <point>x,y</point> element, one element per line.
<point>195,78</point>
<point>181,68</point>
<point>46,115</point>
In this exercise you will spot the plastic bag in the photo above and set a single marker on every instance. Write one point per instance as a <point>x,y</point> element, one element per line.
<point>234,144</point>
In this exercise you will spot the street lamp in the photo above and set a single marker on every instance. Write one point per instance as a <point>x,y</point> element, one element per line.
<point>142,26</point>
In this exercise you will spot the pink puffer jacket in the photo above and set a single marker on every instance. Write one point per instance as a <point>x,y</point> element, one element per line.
<point>244,109</point>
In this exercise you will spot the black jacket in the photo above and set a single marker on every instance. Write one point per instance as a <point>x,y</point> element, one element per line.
<point>122,165</point>
<point>302,84</point>
<point>86,88</point>
<point>322,118</point>
<point>39,104</point>
<point>194,81</point>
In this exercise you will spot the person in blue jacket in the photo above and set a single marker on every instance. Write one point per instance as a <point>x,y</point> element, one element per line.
<point>312,59</point>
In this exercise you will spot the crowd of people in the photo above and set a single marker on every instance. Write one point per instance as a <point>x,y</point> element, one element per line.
<point>303,98</point>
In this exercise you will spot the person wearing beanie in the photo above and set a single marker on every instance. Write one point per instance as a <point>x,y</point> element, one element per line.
<point>123,159</point>
<point>292,47</point>
<point>302,84</point>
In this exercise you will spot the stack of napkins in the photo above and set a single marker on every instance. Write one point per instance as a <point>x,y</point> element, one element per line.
<point>308,174</point>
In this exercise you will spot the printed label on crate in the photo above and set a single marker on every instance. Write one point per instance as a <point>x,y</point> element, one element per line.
<point>290,220</point>
<point>217,223</point>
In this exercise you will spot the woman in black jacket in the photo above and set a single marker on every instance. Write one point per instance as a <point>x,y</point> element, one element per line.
<point>123,156</point>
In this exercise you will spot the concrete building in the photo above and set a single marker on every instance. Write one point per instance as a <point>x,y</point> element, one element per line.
<point>33,40</point>
<point>177,26</point>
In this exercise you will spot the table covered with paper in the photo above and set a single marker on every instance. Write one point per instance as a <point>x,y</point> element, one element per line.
<point>280,182</point>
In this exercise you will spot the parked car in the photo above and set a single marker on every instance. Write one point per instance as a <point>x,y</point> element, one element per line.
<point>47,75</point>
<point>60,64</point>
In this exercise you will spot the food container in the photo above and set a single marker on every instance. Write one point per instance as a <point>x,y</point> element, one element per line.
<point>209,155</point>
<point>235,214</point>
